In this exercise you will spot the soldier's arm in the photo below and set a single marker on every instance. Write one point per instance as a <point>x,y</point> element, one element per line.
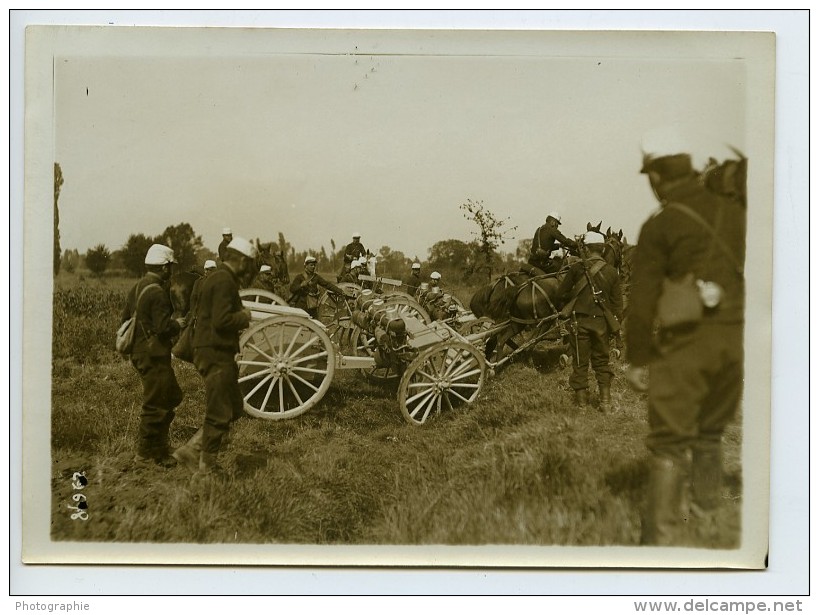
<point>571,243</point>
<point>564,291</point>
<point>161,311</point>
<point>329,285</point>
<point>128,307</point>
<point>224,316</point>
<point>649,269</point>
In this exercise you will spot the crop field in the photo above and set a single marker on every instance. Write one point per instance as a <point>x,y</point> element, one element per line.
<point>521,466</point>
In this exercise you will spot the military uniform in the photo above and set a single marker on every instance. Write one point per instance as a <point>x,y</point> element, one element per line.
<point>306,296</point>
<point>592,339</point>
<point>352,251</point>
<point>151,358</point>
<point>222,249</point>
<point>414,283</point>
<point>546,240</point>
<point>696,371</point>
<point>220,317</point>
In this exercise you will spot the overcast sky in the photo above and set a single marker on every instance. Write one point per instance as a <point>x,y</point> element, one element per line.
<point>319,146</point>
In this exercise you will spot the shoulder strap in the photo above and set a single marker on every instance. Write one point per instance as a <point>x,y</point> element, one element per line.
<point>141,293</point>
<point>581,284</point>
<point>716,239</point>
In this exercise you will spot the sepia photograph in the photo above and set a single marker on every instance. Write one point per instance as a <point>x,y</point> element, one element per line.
<point>425,298</point>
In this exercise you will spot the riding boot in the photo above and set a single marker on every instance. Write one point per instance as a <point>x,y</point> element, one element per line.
<point>664,514</point>
<point>605,398</point>
<point>188,453</point>
<point>208,467</point>
<point>706,490</point>
<point>581,398</point>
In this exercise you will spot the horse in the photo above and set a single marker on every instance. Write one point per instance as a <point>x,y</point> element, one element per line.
<point>275,259</point>
<point>181,288</point>
<point>528,300</point>
<point>727,178</point>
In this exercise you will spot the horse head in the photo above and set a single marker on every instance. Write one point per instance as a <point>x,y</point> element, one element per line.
<point>727,178</point>
<point>181,287</point>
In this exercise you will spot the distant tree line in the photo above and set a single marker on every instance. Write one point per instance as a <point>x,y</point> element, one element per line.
<point>459,262</point>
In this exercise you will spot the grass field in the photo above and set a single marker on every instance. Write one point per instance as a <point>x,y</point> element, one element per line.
<point>520,466</point>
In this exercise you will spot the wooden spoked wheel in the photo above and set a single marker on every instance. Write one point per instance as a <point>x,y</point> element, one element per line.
<point>442,377</point>
<point>260,295</point>
<point>408,307</point>
<point>286,364</point>
<point>335,313</point>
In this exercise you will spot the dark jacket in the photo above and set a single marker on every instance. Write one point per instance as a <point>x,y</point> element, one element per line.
<point>606,281</point>
<point>353,250</point>
<point>220,316</point>
<point>300,291</point>
<point>153,318</point>
<point>548,239</point>
<point>672,244</point>
<point>222,249</point>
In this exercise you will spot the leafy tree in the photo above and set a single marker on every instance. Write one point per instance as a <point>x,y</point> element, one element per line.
<point>97,259</point>
<point>491,233</point>
<point>70,261</point>
<point>523,249</point>
<point>393,263</point>
<point>452,258</point>
<point>184,243</point>
<point>133,253</point>
<point>58,182</point>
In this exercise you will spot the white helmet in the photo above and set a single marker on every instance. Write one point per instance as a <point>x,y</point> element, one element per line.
<point>227,231</point>
<point>209,264</point>
<point>416,265</point>
<point>243,246</point>
<point>310,259</point>
<point>356,235</point>
<point>556,215</point>
<point>159,255</point>
<point>593,237</point>
<point>264,268</point>
<point>434,276</point>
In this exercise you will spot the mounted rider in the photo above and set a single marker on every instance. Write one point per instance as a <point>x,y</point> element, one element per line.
<point>547,239</point>
<point>353,250</point>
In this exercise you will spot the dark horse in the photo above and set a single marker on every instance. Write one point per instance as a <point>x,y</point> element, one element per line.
<point>181,287</point>
<point>530,302</point>
<point>274,258</point>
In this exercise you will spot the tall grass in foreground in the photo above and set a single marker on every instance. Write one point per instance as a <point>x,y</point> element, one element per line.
<point>521,466</point>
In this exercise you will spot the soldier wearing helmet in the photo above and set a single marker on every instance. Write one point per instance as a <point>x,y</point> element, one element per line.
<point>305,288</point>
<point>696,367</point>
<point>151,355</point>
<point>220,317</point>
<point>547,239</point>
<point>591,285</point>
<point>415,279</point>
<point>227,237</point>
<point>354,249</point>
<point>264,279</point>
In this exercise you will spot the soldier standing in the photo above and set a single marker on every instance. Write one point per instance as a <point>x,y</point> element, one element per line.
<point>591,293</point>
<point>151,355</point>
<point>305,288</point>
<point>220,317</point>
<point>693,371</point>
<point>415,279</point>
